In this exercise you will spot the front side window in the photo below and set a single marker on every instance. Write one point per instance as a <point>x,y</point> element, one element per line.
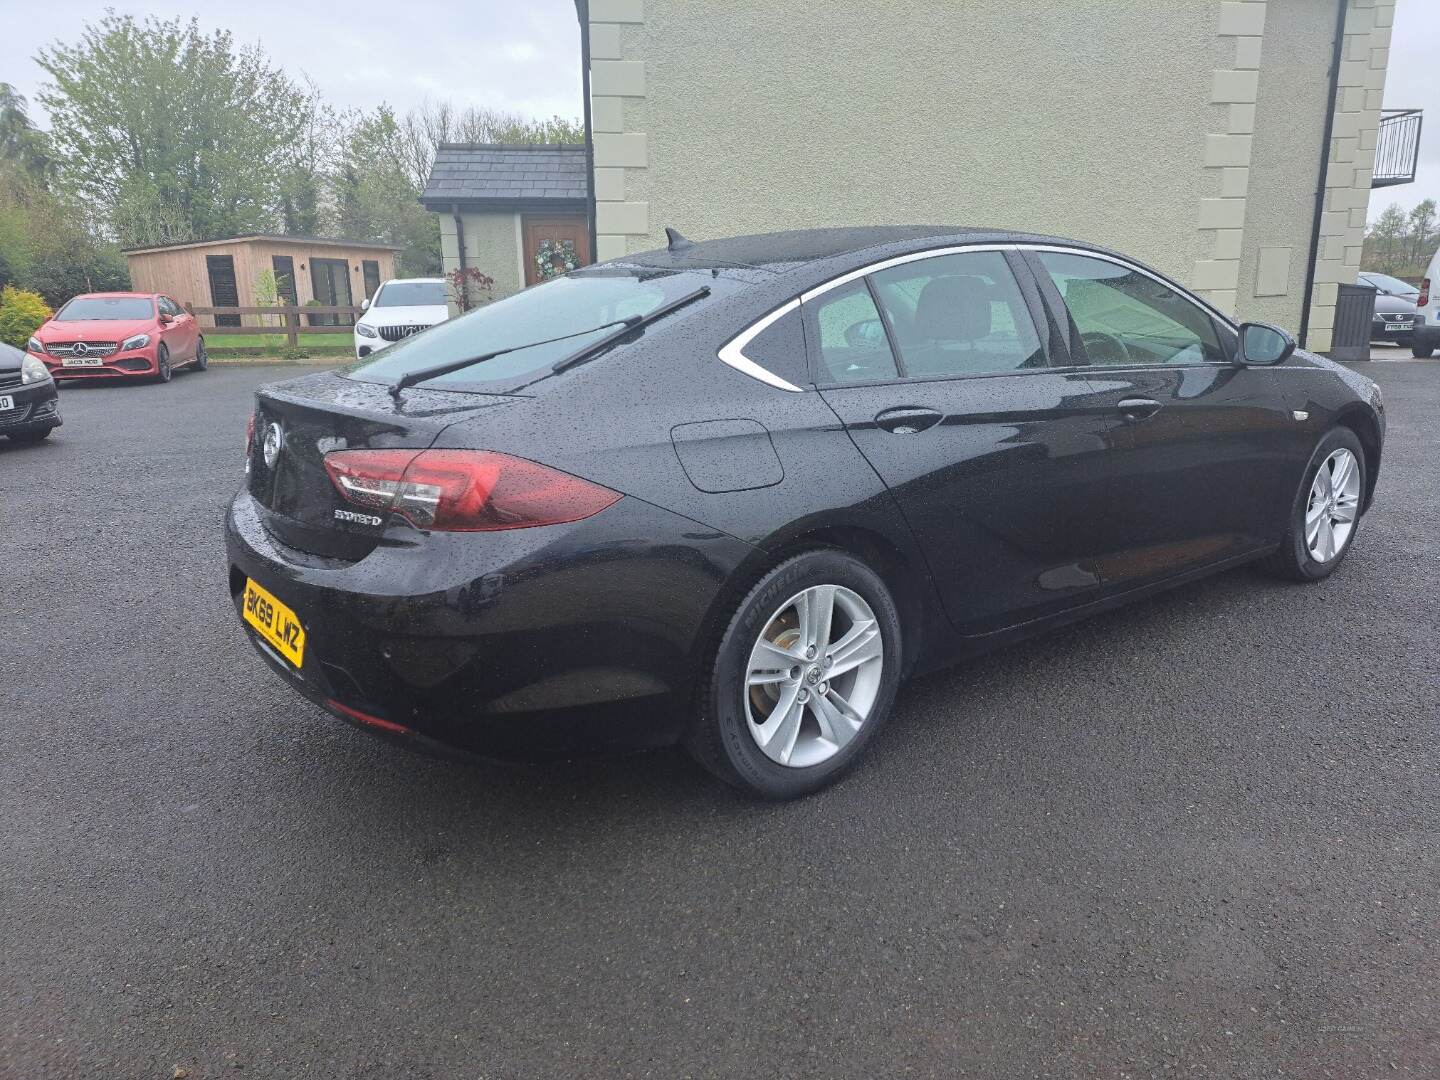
<point>960,314</point>
<point>1126,317</point>
<point>850,337</point>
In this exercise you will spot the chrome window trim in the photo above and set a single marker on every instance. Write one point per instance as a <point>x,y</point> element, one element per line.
<point>733,351</point>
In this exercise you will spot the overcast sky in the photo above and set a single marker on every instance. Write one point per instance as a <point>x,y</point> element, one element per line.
<point>523,55</point>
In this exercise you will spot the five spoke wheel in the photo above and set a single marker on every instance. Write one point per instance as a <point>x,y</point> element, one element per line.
<point>813,675</point>
<point>1333,505</point>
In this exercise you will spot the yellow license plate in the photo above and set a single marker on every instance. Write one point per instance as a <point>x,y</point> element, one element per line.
<point>274,622</point>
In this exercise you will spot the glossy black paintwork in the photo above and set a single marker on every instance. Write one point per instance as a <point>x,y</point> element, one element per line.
<point>38,403</point>
<point>1031,501</point>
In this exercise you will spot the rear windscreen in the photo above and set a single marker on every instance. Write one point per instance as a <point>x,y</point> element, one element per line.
<point>580,304</point>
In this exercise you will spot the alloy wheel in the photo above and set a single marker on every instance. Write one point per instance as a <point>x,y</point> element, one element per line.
<point>813,675</point>
<point>1333,505</point>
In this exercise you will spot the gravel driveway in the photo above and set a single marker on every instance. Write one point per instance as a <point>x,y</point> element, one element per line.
<point>1197,837</point>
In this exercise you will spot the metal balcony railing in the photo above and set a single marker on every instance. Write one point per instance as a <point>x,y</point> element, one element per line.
<point>1397,149</point>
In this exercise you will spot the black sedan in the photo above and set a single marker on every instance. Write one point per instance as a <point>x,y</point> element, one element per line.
<point>730,494</point>
<point>29,404</point>
<point>1395,311</point>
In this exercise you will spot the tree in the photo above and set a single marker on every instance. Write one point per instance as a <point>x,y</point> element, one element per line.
<point>21,146</point>
<point>307,163</point>
<point>156,122</point>
<point>49,244</point>
<point>376,195</point>
<point>1422,231</point>
<point>1387,239</point>
<point>438,122</point>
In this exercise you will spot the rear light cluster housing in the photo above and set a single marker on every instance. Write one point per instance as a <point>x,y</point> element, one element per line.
<point>1424,298</point>
<point>463,490</point>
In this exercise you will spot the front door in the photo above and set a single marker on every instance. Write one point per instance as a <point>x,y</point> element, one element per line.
<point>181,335</point>
<point>223,289</point>
<point>554,245</point>
<point>999,464</point>
<point>1205,469</point>
<point>330,284</point>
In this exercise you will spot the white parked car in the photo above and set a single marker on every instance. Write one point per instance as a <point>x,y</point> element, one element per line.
<point>400,307</point>
<point>1427,313</point>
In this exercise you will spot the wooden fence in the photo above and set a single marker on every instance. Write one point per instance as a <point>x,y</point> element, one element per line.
<point>285,319</point>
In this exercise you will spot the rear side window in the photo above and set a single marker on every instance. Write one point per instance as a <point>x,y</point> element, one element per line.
<point>850,338</point>
<point>960,314</point>
<point>1126,317</point>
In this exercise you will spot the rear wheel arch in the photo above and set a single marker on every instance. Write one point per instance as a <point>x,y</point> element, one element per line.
<point>899,573</point>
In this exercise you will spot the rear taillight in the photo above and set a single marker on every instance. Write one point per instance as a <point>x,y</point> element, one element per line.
<point>249,436</point>
<point>463,490</point>
<point>1424,298</point>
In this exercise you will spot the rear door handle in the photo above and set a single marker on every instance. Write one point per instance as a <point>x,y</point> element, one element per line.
<point>1136,409</point>
<point>908,419</point>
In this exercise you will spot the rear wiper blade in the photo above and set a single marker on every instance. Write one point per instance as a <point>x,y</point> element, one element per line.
<point>565,363</point>
<point>435,372</point>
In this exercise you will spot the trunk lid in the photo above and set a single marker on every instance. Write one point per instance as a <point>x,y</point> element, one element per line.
<point>306,418</point>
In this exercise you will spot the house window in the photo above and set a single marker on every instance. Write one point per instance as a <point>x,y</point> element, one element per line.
<point>284,267</point>
<point>372,278</point>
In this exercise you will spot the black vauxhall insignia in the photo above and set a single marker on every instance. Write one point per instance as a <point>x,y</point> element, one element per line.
<point>730,493</point>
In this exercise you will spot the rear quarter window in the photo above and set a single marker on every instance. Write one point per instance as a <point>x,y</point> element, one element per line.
<point>780,348</point>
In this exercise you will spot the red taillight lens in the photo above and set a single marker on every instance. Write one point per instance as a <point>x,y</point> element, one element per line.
<point>249,435</point>
<point>1424,297</point>
<point>463,490</point>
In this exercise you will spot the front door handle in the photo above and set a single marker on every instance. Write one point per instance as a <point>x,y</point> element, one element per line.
<point>1136,409</point>
<point>908,419</point>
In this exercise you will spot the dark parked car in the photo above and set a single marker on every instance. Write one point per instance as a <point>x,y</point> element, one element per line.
<point>1394,318</point>
<point>731,493</point>
<point>29,403</point>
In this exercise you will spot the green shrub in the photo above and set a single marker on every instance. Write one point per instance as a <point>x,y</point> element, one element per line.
<point>21,313</point>
<point>294,352</point>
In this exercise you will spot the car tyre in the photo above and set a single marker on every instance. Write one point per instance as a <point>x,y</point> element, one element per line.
<point>1422,352</point>
<point>1303,555</point>
<point>162,362</point>
<point>839,715</point>
<point>202,358</point>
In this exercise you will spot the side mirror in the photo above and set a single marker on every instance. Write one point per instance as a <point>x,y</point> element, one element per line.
<point>166,318</point>
<point>365,304</point>
<point>1263,344</point>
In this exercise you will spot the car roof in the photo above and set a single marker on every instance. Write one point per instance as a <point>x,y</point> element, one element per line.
<point>115,296</point>
<point>426,280</point>
<point>780,250</point>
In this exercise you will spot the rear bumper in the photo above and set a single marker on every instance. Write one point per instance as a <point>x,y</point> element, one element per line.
<point>37,407</point>
<point>529,643</point>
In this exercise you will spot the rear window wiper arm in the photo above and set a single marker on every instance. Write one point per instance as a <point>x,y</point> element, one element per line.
<point>413,377</point>
<point>623,327</point>
<point>567,362</point>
